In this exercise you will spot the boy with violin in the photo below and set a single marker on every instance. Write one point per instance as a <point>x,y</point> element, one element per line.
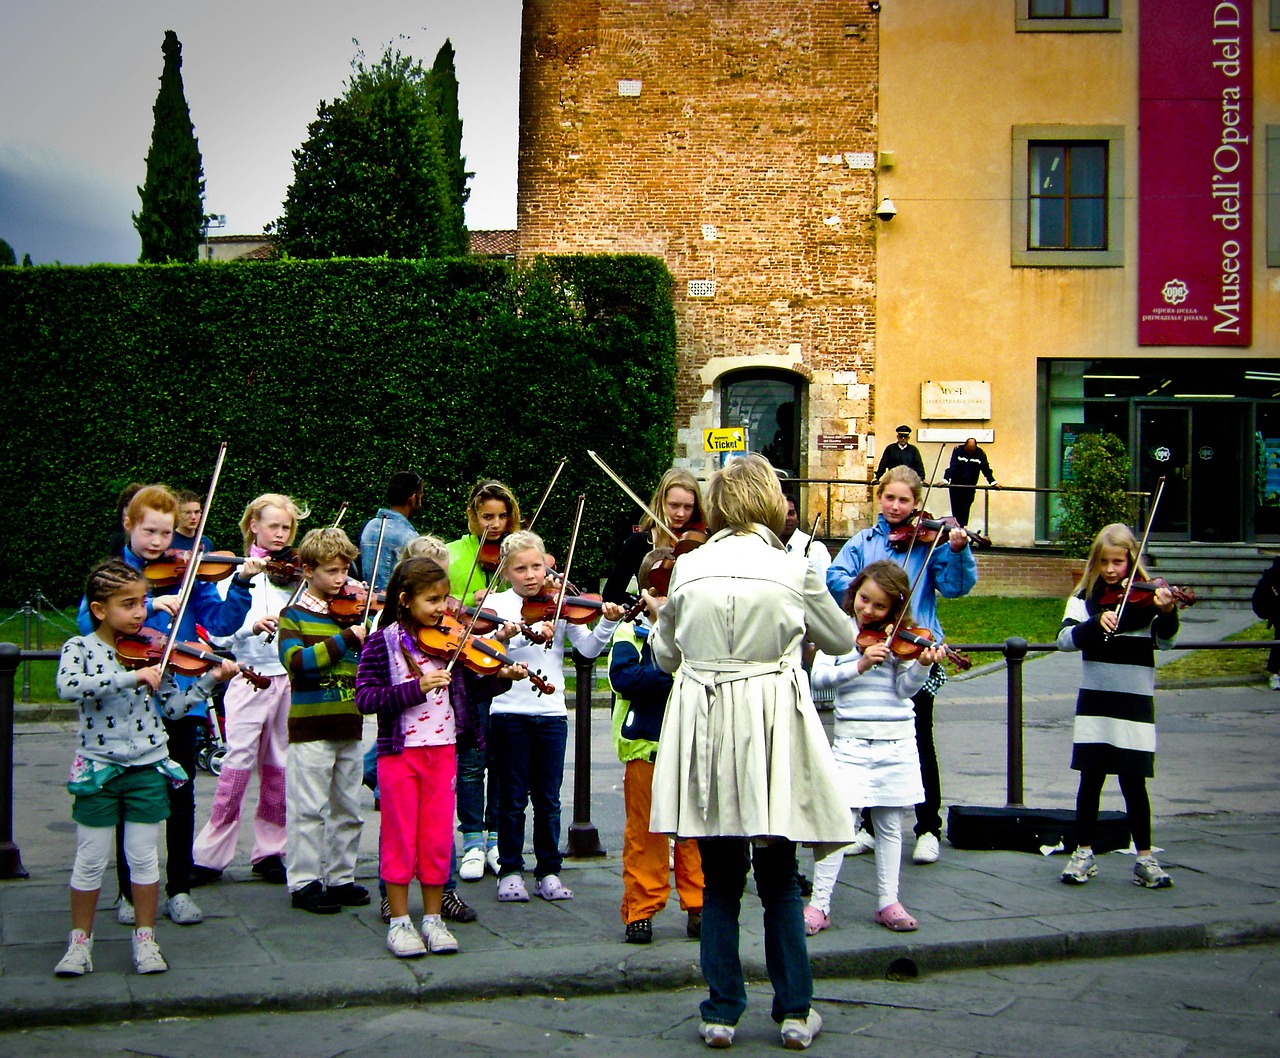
<point>325,762</point>
<point>149,521</point>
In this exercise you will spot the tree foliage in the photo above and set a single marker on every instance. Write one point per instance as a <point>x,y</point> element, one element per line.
<point>371,179</point>
<point>171,220</point>
<point>8,259</point>
<point>1094,491</point>
<point>444,83</point>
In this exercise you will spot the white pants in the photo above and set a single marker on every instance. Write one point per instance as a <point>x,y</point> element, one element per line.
<point>93,850</point>
<point>321,846</point>
<point>888,824</point>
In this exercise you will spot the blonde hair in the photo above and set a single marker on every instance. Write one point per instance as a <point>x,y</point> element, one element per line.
<point>158,498</point>
<point>324,545</point>
<point>1114,535</point>
<point>253,512</point>
<point>743,492</point>
<point>907,476</point>
<point>481,493</point>
<point>426,546</point>
<point>675,478</point>
<point>521,540</point>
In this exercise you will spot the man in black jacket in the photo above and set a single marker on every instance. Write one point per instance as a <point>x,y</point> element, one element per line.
<point>967,462</point>
<point>904,453</point>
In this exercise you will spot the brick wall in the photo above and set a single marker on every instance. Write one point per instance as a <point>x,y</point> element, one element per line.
<point>755,118</point>
<point>1026,573</point>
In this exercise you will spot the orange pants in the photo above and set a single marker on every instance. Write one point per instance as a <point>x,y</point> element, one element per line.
<point>646,865</point>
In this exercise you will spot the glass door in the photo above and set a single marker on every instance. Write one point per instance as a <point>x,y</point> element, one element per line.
<point>1164,450</point>
<point>1218,471</point>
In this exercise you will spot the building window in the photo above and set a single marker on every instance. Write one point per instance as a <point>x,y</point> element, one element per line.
<point>1068,16</point>
<point>1068,196</point>
<point>1273,195</point>
<point>767,402</point>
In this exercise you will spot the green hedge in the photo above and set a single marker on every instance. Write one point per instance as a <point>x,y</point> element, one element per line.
<point>325,378</point>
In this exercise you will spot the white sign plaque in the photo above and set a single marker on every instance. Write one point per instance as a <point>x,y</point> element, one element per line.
<point>955,400</point>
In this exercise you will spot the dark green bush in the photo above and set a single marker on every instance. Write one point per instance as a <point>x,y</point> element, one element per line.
<point>325,378</point>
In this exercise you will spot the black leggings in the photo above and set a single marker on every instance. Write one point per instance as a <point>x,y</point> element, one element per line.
<point>1136,805</point>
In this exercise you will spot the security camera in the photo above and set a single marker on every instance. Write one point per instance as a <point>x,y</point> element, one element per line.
<point>886,211</point>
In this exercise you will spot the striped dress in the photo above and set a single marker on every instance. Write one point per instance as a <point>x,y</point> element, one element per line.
<point>1115,726</point>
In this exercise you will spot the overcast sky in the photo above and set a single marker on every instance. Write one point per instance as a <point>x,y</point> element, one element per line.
<point>79,78</point>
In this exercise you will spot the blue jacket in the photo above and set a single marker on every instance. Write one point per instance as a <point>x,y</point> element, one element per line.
<point>951,574</point>
<point>207,608</point>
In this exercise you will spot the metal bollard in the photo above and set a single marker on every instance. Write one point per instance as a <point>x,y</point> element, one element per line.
<point>584,839</point>
<point>1015,653</point>
<point>10,857</point>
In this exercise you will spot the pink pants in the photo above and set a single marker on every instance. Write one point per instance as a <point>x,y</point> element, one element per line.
<point>417,792</point>
<point>257,734</point>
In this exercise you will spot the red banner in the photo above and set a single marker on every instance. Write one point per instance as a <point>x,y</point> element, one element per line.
<point>1195,165</point>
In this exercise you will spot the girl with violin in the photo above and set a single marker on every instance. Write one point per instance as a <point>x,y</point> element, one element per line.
<point>492,513</point>
<point>875,743</point>
<point>678,499</point>
<point>122,770</point>
<point>1115,725</point>
<point>149,522</point>
<point>319,650</point>
<point>256,725</point>
<point>528,731</point>
<point>422,709</point>
<point>948,569</point>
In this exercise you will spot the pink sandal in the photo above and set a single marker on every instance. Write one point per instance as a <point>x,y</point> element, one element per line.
<point>815,921</point>
<point>551,888</point>
<point>896,918</point>
<point>511,889</point>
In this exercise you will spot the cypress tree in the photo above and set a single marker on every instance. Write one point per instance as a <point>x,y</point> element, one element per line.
<point>171,220</point>
<point>8,259</point>
<point>444,80</point>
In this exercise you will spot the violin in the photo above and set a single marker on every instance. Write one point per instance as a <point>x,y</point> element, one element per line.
<point>347,608</point>
<point>146,647</point>
<point>660,572</point>
<point>490,554</point>
<point>1143,593</point>
<point>169,570</point>
<point>483,656</point>
<point>909,642</point>
<point>283,569</point>
<point>487,620</point>
<point>902,534</point>
<point>577,609</point>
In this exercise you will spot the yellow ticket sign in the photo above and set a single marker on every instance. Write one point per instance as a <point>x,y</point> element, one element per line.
<point>725,439</point>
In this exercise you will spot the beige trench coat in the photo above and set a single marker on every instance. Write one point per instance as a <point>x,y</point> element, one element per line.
<point>742,751</point>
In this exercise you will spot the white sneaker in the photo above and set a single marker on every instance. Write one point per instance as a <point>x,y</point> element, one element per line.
<point>797,1034</point>
<point>183,910</point>
<point>862,843</point>
<point>1275,681</point>
<point>79,958</point>
<point>146,953</point>
<point>716,1035</point>
<point>926,850</point>
<point>491,860</point>
<point>405,942</point>
<point>124,912</point>
<point>439,940</point>
<point>471,869</point>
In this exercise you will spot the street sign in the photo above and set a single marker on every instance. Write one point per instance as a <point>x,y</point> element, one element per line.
<point>725,439</point>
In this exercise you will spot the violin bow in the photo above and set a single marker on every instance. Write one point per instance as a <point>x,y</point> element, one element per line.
<point>568,564</point>
<point>342,513</point>
<point>813,530</point>
<point>297,592</point>
<point>545,493</point>
<point>502,559</point>
<point>1142,546</point>
<point>373,576</point>
<point>627,489</point>
<point>193,567</point>
<point>924,503</point>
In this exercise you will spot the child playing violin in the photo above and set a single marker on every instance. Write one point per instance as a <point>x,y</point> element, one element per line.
<point>256,725</point>
<point>678,499</point>
<point>875,744</point>
<point>149,521</point>
<point>1115,726</point>
<point>529,731</point>
<point>323,773</point>
<point>491,507</point>
<point>122,770</point>
<point>422,708</point>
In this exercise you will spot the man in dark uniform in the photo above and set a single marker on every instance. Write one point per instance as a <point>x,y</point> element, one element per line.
<point>904,453</point>
<point>967,462</point>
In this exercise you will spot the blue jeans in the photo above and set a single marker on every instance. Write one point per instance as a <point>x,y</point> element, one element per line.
<point>477,803</point>
<point>528,755</point>
<point>724,866</point>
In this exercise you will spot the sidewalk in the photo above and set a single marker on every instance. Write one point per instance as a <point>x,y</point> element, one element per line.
<point>1214,802</point>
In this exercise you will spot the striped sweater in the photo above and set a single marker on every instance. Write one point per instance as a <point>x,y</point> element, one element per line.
<point>875,704</point>
<point>320,657</point>
<point>1115,725</point>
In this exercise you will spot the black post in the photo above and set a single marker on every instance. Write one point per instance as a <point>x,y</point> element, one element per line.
<point>1015,652</point>
<point>584,839</point>
<point>10,857</point>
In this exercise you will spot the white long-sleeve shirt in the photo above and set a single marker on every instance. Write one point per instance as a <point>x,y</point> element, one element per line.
<point>875,704</point>
<point>252,648</point>
<point>523,698</point>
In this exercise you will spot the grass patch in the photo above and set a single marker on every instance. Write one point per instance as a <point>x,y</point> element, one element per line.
<point>59,626</point>
<point>993,619</point>
<point>1207,664</point>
